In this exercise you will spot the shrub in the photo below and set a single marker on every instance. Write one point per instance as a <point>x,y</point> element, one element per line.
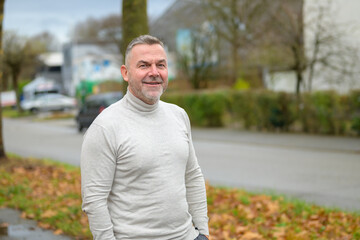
<point>208,110</point>
<point>283,112</point>
<point>267,110</point>
<point>354,110</point>
<point>321,112</point>
<point>242,108</point>
<point>263,110</point>
<point>204,109</point>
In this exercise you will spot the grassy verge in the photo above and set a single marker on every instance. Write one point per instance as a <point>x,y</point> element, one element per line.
<point>55,115</point>
<point>50,194</point>
<point>13,113</point>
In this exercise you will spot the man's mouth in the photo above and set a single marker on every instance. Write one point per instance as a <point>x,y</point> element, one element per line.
<point>152,83</point>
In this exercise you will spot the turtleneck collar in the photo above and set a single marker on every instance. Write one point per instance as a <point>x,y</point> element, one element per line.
<point>138,104</point>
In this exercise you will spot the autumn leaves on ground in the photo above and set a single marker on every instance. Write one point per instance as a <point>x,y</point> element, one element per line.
<point>50,194</point>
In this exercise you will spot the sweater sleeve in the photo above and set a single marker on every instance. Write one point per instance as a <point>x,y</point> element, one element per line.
<point>195,188</point>
<point>97,174</point>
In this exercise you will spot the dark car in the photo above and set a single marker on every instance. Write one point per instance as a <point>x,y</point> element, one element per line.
<point>93,106</point>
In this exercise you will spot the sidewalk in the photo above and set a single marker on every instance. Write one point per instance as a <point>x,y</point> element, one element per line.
<point>23,229</point>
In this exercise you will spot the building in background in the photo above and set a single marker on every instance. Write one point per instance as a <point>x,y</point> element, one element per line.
<point>92,62</point>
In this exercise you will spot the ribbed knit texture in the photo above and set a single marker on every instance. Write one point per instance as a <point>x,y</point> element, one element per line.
<point>140,176</point>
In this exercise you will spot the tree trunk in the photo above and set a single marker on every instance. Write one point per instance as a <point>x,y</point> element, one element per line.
<point>301,51</point>
<point>235,44</point>
<point>316,50</point>
<point>134,24</point>
<point>311,76</point>
<point>16,75</point>
<point>299,80</point>
<point>2,149</point>
<point>195,79</point>
<point>5,83</point>
<point>233,77</point>
<point>299,65</point>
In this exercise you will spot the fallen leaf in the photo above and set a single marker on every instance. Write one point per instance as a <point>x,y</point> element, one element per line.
<point>58,232</point>
<point>48,214</point>
<point>44,225</point>
<point>251,236</point>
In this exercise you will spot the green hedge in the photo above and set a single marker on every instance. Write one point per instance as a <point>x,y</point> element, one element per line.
<point>323,112</point>
<point>204,109</point>
<point>262,110</point>
<point>353,110</point>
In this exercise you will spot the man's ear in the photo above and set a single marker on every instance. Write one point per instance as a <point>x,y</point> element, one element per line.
<point>124,73</point>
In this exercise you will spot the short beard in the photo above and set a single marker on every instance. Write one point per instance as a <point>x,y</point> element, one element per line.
<point>154,99</point>
<point>149,99</point>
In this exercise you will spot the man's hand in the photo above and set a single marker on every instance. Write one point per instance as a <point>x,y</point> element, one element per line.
<point>202,237</point>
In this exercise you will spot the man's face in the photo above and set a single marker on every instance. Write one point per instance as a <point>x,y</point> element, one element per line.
<point>146,72</point>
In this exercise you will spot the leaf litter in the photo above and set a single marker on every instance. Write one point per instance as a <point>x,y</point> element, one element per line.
<point>51,195</point>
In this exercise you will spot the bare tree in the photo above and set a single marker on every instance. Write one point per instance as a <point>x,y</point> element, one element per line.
<point>18,52</point>
<point>44,41</point>
<point>327,50</point>
<point>240,24</point>
<point>2,149</point>
<point>288,28</point>
<point>321,50</point>
<point>197,59</point>
<point>15,53</point>
<point>20,56</point>
<point>104,29</point>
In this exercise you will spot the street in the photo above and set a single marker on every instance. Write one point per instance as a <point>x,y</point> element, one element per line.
<point>319,169</point>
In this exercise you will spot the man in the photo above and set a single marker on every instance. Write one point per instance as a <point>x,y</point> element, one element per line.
<point>140,178</point>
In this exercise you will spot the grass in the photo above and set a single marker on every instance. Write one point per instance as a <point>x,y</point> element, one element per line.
<point>56,116</point>
<point>49,192</point>
<point>13,113</point>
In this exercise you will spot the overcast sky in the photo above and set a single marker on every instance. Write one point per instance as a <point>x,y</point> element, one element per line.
<point>29,17</point>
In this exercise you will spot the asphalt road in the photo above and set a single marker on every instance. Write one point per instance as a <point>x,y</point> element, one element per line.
<point>320,169</point>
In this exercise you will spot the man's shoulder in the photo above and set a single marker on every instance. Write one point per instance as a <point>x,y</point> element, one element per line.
<point>113,113</point>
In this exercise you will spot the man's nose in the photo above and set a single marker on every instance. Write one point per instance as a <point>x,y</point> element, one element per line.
<point>154,71</point>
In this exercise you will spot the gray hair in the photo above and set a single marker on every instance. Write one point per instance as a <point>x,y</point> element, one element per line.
<point>143,39</point>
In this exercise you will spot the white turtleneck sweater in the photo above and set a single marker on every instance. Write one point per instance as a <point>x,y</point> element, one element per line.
<point>140,178</point>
